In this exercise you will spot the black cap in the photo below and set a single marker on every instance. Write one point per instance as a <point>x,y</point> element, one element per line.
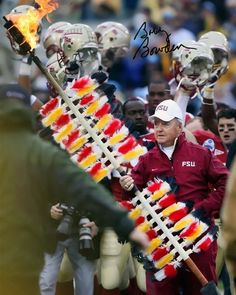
<point>14,91</point>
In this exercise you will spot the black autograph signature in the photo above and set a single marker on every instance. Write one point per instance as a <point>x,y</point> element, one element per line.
<point>144,50</point>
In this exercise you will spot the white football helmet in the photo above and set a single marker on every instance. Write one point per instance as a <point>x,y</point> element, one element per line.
<point>194,66</point>
<point>79,45</point>
<point>113,41</point>
<point>219,45</point>
<point>52,37</point>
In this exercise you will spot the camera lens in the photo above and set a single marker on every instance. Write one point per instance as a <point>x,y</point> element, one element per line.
<point>86,247</point>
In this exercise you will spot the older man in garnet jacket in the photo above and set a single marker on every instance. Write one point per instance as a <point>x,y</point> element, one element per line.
<point>193,168</point>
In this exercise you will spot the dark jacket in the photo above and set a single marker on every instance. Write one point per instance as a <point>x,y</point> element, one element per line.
<point>193,168</point>
<point>33,174</point>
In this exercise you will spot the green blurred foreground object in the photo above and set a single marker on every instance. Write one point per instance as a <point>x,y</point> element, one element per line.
<point>34,174</point>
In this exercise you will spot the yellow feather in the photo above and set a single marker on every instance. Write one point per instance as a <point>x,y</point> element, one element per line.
<point>117,138</point>
<point>165,260</point>
<point>197,233</point>
<point>159,194</point>
<point>64,132</point>
<point>52,117</point>
<point>92,108</point>
<point>133,154</point>
<point>77,144</point>
<point>100,174</point>
<point>145,226</point>
<point>135,213</point>
<point>182,223</point>
<point>171,209</point>
<point>86,90</point>
<point>103,121</point>
<point>155,243</point>
<point>88,161</point>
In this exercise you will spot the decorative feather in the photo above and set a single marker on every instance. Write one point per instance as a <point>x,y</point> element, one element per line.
<point>151,234</point>
<point>101,174</point>
<point>94,170</point>
<point>84,153</point>
<point>87,99</point>
<point>139,220</point>
<point>135,213</point>
<point>105,109</point>
<point>103,122</point>
<point>159,253</point>
<point>169,271</point>
<point>164,260</point>
<point>77,144</point>
<point>127,204</point>
<point>113,126</point>
<point>167,200</point>
<point>128,145</point>
<point>88,161</point>
<point>155,186</point>
<point>63,132</point>
<point>205,242</point>
<point>49,106</point>
<point>135,153</point>
<point>190,230</point>
<point>81,83</point>
<point>52,117</point>
<point>154,244</point>
<point>167,211</point>
<point>61,121</point>
<point>71,138</point>
<point>92,108</point>
<point>179,214</point>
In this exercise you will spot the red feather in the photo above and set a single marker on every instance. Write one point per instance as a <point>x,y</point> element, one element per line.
<point>86,99</point>
<point>71,137</point>
<point>190,230</point>
<point>127,204</point>
<point>127,145</point>
<point>159,253</point>
<point>81,83</point>
<point>177,215</point>
<point>103,110</point>
<point>151,233</point>
<point>84,153</point>
<point>139,220</point>
<point>170,270</point>
<point>61,121</point>
<point>154,187</point>
<point>205,243</point>
<point>167,201</point>
<point>96,167</point>
<point>112,127</point>
<point>48,107</point>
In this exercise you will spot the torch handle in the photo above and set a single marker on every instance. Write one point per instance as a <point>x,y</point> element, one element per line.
<point>196,271</point>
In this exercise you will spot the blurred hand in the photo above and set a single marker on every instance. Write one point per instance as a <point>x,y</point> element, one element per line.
<point>127,182</point>
<point>94,228</point>
<point>139,238</point>
<point>55,212</point>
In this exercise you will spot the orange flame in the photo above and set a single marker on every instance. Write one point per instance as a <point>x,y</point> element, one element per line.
<point>28,22</point>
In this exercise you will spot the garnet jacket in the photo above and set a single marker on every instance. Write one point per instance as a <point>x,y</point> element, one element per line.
<point>193,168</point>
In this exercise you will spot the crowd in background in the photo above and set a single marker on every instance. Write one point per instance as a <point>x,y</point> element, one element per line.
<point>185,20</point>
